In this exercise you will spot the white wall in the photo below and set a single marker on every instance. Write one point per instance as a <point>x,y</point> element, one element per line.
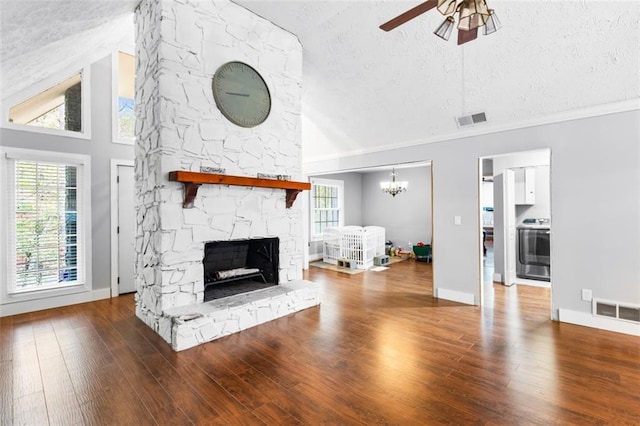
<point>520,159</point>
<point>595,167</point>
<point>405,217</point>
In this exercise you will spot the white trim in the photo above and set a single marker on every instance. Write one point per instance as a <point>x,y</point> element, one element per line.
<point>46,131</point>
<point>480,231</point>
<point>328,182</point>
<point>53,302</point>
<point>533,283</point>
<point>83,226</point>
<point>114,222</point>
<point>315,256</point>
<point>45,156</point>
<point>115,64</point>
<point>456,296</point>
<point>588,320</point>
<point>41,87</point>
<point>577,114</point>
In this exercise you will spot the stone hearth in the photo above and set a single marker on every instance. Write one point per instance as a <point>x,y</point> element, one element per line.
<point>179,47</point>
<point>201,323</point>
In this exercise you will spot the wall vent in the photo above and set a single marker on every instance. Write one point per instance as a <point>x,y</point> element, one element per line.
<point>471,120</point>
<point>621,311</point>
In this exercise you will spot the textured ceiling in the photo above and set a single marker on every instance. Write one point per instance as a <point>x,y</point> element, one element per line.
<point>39,38</point>
<point>365,89</point>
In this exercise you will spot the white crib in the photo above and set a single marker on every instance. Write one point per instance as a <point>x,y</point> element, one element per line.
<point>353,243</point>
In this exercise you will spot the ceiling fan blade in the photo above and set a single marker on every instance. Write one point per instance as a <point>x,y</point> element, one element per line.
<point>467,36</point>
<point>409,14</point>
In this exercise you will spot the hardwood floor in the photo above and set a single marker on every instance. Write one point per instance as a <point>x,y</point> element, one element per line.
<point>379,350</point>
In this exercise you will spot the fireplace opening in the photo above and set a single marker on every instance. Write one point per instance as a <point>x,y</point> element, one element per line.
<point>239,266</point>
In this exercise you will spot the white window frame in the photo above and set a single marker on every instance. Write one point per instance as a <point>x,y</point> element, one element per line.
<point>115,65</point>
<point>41,87</point>
<point>327,182</point>
<point>84,223</point>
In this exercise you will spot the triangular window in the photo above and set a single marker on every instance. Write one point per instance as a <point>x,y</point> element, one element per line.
<point>59,107</point>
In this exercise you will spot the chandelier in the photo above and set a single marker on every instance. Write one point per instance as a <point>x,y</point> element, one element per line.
<point>393,187</point>
<point>472,14</point>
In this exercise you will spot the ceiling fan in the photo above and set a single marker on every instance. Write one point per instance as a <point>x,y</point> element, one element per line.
<point>472,14</point>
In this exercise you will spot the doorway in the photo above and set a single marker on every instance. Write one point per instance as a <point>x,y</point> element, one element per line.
<point>122,227</point>
<point>514,194</point>
<point>405,216</point>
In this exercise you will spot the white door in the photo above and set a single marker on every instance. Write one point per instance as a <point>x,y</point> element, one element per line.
<point>509,227</point>
<point>126,229</point>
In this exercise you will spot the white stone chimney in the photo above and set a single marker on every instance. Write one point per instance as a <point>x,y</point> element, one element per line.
<point>179,47</point>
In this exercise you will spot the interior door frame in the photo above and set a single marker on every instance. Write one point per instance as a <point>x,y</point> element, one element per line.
<point>509,225</point>
<point>433,233</point>
<point>115,163</point>
<point>480,245</point>
<point>480,254</point>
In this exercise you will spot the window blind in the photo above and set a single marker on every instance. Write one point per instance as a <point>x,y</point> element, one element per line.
<point>44,225</point>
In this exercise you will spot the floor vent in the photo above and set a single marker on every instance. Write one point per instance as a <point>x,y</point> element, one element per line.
<point>470,120</point>
<point>616,310</point>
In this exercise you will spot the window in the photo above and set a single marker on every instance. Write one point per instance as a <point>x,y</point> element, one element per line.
<point>124,119</point>
<point>327,201</point>
<point>59,107</point>
<point>47,218</point>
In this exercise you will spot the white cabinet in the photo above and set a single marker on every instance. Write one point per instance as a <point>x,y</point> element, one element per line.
<point>525,185</point>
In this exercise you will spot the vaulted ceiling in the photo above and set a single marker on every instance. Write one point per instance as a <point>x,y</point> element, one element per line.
<point>39,38</point>
<point>365,89</point>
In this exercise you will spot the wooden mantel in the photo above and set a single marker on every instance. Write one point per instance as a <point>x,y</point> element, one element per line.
<point>193,180</point>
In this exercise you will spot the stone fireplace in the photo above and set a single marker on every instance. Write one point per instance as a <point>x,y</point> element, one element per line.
<point>179,46</point>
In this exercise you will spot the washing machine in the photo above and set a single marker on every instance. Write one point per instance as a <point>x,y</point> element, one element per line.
<point>534,249</point>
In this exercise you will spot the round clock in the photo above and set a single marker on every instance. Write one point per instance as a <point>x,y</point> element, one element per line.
<point>241,94</point>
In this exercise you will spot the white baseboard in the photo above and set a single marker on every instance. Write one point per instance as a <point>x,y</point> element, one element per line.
<point>589,320</point>
<point>456,296</point>
<point>315,256</point>
<point>53,302</point>
<point>533,283</point>
<point>497,278</point>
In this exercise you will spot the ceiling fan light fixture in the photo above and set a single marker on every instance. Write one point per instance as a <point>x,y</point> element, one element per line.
<point>447,7</point>
<point>473,14</point>
<point>467,15</point>
<point>493,23</point>
<point>445,29</point>
<point>471,7</point>
<point>471,22</point>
